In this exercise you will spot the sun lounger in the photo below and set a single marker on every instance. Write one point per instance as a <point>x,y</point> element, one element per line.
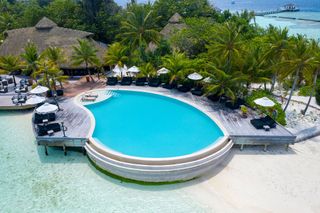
<point>184,87</point>
<point>266,123</point>
<point>141,81</point>
<point>49,129</point>
<point>169,86</point>
<point>154,82</point>
<point>197,91</point>
<point>112,81</point>
<point>4,89</point>
<point>44,118</point>
<point>126,81</point>
<point>59,92</point>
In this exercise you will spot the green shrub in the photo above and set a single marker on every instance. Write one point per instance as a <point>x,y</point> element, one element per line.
<point>281,119</point>
<point>305,91</point>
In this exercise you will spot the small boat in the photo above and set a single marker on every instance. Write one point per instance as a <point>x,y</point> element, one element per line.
<point>289,8</point>
<point>233,2</point>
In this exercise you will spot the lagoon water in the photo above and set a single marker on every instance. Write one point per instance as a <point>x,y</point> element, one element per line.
<point>310,9</point>
<point>33,182</point>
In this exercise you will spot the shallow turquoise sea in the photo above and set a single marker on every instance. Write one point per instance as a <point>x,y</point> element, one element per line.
<point>33,182</point>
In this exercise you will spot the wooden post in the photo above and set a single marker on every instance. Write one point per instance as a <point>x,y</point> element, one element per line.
<point>241,147</point>
<point>265,147</point>
<point>83,151</point>
<point>287,147</point>
<point>64,149</point>
<point>46,150</point>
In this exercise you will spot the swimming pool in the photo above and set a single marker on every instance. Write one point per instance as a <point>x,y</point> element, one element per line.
<point>151,137</point>
<point>152,126</point>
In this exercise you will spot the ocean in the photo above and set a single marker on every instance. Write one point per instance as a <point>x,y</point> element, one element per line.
<point>257,5</point>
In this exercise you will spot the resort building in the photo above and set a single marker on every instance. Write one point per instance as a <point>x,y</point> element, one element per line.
<point>44,34</point>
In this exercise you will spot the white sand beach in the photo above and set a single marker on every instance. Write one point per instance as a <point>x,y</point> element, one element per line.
<point>257,181</point>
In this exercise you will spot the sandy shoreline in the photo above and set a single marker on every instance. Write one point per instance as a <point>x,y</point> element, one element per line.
<point>255,181</point>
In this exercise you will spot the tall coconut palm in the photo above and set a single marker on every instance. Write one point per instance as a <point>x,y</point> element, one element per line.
<point>147,70</point>
<point>300,61</point>
<point>140,28</point>
<point>31,58</point>
<point>116,55</point>
<point>223,83</point>
<point>178,64</point>
<point>85,53</point>
<point>312,75</point>
<point>56,56</point>
<point>278,46</point>
<point>227,44</point>
<point>10,65</point>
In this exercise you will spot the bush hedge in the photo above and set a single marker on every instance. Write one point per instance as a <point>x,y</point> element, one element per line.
<point>281,118</point>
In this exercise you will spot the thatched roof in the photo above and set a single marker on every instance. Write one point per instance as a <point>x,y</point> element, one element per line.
<point>46,33</point>
<point>175,23</point>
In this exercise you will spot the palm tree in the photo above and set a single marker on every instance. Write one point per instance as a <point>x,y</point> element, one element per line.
<point>55,54</point>
<point>277,47</point>
<point>31,57</point>
<point>85,53</point>
<point>301,60</point>
<point>178,64</point>
<point>227,45</point>
<point>147,70</point>
<point>57,57</point>
<point>9,65</point>
<point>312,74</point>
<point>254,66</point>
<point>139,28</point>
<point>116,55</point>
<point>223,83</point>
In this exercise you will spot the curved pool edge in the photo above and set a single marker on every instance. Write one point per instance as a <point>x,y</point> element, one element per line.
<point>181,168</point>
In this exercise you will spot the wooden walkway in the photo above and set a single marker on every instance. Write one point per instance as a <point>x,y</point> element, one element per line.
<point>78,124</point>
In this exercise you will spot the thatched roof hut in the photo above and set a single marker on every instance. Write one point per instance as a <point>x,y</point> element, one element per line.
<point>46,33</point>
<point>175,23</point>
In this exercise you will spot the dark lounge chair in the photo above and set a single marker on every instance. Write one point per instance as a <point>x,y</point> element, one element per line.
<point>213,97</point>
<point>198,91</point>
<point>59,92</point>
<point>154,82</point>
<point>184,88</point>
<point>261,123</point>
<point>111,81</point>
<point>40,118</point>
<point>141,81</point>
<point>169,86</point>
<point>3,89</point>
<point>47,129</point>
<point>126,81</point>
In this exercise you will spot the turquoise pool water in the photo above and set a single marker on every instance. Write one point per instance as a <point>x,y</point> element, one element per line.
<point>32,182</point>
<point>153,126</point>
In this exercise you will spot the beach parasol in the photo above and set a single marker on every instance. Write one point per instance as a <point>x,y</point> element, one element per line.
<point>47,108</point>
<point>195,76</point>
<point>133,69</point>
<point>34,99</point>
<point>264,102</point>
<point>120,70</point>
<point>39,90</point>
<point>163,71</point>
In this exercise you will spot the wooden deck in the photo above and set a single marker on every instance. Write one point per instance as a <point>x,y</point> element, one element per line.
<point>78,124</point>
<point>240,129</point>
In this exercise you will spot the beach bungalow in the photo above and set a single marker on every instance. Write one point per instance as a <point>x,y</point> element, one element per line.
<point>46,33</point>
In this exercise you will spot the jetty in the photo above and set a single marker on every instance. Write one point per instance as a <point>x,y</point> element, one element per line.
<point>285,8</point>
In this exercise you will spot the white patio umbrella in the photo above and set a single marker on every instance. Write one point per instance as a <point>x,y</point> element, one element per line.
<point>265,102</point>
<point>134,69</point>
<point>47,108</point>
<point>163,71</point>
<point>34,99</point>
<point>120,70</point>
<point>195,76</point>
<point>207,80</point>
<point>39,90</point>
